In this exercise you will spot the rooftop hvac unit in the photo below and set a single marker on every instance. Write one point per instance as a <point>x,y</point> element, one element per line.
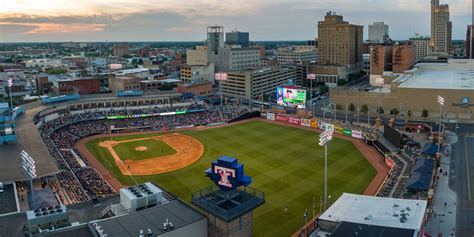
<point>47,215</point>
<point>141,196</point>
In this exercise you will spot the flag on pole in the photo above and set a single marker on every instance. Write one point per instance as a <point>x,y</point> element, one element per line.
<point>440,100</point>
<point>10,82</point>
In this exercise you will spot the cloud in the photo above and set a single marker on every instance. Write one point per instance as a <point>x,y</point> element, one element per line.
<point>187,19</point>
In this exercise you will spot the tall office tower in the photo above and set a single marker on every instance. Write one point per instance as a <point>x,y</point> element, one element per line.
<point>441,29</point>
<point>237,37</point>
<point>377,32</point>
<point>469,42</point>
<point>422,46</point>
<point>215,39</point>
<point>339,42</point>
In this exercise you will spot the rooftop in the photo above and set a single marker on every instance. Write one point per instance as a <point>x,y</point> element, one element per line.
<point>439,79</point>
<point>377,211</point>
<point>153,218</point>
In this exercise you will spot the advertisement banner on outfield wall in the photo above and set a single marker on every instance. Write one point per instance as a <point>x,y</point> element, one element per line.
<point>294,120</point>
<point>314,123</point>
<point>357,134</point>
<point>271,116</point>
<point>338,129</point>
<point>306,122</point>
<point>281,118</point>
<point>346,132</point>
<point>323,125</point>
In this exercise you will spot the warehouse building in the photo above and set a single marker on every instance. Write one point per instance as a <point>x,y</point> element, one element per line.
<point>417,89</point>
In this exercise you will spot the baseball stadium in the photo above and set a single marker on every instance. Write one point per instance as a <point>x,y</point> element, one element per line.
<point>86,151</point>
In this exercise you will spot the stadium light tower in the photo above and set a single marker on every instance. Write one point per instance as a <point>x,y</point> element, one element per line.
<point>28,165</point>
<point>324,139</point>
<point>10,84</point>
<point>441,103</point>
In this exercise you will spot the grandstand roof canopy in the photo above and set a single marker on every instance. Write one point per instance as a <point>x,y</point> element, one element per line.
<point>378,211</point>
<point>29,140</point>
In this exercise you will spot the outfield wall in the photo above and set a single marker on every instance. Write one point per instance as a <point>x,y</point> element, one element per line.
<point>313,122</point>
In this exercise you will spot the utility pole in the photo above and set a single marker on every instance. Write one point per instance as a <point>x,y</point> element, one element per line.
<point>346,113</point>
<point>358,113</point>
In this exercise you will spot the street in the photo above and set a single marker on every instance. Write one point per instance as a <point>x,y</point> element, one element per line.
<point>461,178</point>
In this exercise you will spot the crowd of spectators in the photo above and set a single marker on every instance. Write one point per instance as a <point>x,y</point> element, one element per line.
<point>79,182</point>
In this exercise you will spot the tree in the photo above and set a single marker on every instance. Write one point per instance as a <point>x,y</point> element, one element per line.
<point>380,110</point>
<point>364,109</point>
<point>56,71</point>
<point>394,111</point>
<point>140,61</point>
<point>323,89</point>
<point>338,107</point>
<point>424,113</point>
<point>409,113</point>
<point>352,107</point>
<point>341,82</point>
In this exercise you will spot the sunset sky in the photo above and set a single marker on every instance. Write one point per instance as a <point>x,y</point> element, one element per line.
<point>167,20</point>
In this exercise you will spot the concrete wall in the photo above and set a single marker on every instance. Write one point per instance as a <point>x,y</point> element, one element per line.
<point>405,99</point>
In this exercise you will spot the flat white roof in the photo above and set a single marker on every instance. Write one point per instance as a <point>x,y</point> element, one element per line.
<point>376,211</point>
<point>442,79</point>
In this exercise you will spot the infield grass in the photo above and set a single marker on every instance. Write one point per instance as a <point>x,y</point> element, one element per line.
<point>286,163</point>
<point>154,148</point>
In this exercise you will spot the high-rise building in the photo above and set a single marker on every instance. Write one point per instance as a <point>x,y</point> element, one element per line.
<point>339,48</point>
<point>469,42</point>
<point>403,58</point>
<point>339,42</point>
<point>295,54</point>
<point>252,83</point>
<point>441,29</point>
<point>377,32</point>
<point>380,61</point>
<point>393,58</point>
<point>421,46</point>
<point>198,56</point>
<point>215,39</point>
<point>237,37</point>
<point>236,58</point>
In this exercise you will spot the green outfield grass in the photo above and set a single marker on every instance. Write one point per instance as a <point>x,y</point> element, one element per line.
<point>155,148</point>
<point>286,163</point>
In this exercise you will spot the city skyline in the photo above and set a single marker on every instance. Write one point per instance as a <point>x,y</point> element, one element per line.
<point>164,20</point>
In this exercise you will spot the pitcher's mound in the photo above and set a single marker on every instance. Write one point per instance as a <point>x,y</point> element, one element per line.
<point>141,148</point>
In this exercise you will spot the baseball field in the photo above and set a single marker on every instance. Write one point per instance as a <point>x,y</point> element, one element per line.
<point>285,162</point>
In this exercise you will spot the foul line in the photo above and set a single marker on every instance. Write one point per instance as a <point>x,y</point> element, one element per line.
<point>467,169</point>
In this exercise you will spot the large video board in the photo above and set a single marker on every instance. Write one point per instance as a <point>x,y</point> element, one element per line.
<point>291,97</point>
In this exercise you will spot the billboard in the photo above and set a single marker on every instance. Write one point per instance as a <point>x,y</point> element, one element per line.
<point>346,132</point>
<point>294,120</point>
<point>392,135</point>
<point>311,76</point>
<point>314,123</point>
<point>271,116</point>
<point>281,118</point>
<point>356,134</point>
<point>291,97</point>
<point>306,122</point>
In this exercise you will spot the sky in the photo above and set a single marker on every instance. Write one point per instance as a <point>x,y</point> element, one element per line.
<point>186,20</point>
